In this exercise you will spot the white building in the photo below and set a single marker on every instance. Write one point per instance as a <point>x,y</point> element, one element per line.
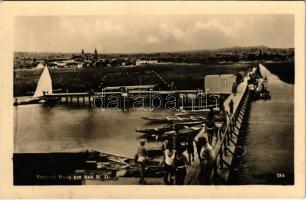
<point>219,83</point>
<point>143,62</point>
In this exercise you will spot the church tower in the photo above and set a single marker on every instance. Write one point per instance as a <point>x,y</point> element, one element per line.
<point>96,54</point>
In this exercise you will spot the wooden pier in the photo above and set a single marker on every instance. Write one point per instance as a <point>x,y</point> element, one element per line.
<point>225,147</point>
<point>183,98</point>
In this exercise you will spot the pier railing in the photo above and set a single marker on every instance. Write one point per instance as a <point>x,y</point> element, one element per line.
<point>225,148</point>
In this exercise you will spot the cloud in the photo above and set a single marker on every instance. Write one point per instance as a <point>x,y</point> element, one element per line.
<point>150,39</point>
<point>107,26</point>
<point>193,34</point>
<point>170,30</point>
<point>116,34</point>
<point>214,25</point>
<point>93,28</point>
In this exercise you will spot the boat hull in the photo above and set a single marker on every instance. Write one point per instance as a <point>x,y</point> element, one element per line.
<point>27,102</point>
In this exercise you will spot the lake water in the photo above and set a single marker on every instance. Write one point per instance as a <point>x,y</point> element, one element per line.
<point>62,129</point>
<point>268,146</point>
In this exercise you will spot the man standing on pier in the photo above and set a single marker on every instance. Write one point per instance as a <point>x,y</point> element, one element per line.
<point>207,158</point>
<point>180,168</point>
<point>210,126</point>
<point>141,158</point>
<point>220,121</point>
<point>169,165</point>
<point>234,88</point>
<point>231,107</point>
<point>190,149</point>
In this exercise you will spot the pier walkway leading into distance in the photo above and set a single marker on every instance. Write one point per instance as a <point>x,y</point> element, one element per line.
<point>225,147</point>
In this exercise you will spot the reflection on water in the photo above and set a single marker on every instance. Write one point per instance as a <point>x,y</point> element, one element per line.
<point>63,129</point>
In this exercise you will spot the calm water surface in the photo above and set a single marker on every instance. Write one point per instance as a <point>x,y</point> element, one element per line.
<point>268,148</point>
<point>63,129</point>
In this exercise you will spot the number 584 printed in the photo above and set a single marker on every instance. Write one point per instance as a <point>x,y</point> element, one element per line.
<point>280,175</point>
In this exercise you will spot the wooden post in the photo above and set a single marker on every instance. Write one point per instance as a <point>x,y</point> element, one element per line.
<point>66,99</point>
<point>83,100</point>
<point>78,100</point>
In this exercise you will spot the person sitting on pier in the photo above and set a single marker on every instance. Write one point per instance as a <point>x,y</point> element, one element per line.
<point>180,168</point>
<point>141,158</point>
<point>207,159</point>
<point>169,165</point>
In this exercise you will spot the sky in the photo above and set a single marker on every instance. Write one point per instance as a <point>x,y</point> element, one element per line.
<point>151,33</point>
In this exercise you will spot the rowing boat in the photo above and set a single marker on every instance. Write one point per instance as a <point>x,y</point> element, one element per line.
<point>173,119</point>
<point>160,130</point>
<point>192,123</point>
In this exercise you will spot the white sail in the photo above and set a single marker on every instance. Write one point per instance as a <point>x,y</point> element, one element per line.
<point>44,84</point>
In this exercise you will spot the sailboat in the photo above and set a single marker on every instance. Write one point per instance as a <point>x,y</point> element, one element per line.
<point>44,86</point>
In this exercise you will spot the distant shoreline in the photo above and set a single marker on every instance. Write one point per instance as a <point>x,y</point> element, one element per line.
<point>184,76</point>
<point>177,76</point>
<point>284,70</point>
<point>166,52</point>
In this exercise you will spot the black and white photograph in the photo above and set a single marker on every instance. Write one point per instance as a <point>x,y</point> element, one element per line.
<point>154,99</point>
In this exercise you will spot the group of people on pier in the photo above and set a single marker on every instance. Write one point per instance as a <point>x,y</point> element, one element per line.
<point>257,84</point>
<point>175,162</point>
<point>216,122</point>
<point>175,158</point>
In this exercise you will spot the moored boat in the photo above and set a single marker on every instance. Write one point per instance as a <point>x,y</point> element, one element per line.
<point>44,86</point>
<point>173,119</point>
<point>192,123</point>
<point>160,130</point>
<point>193,112</point>
<point>27,102</point>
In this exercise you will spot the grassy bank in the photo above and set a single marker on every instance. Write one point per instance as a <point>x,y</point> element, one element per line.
<point>185,76</point>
